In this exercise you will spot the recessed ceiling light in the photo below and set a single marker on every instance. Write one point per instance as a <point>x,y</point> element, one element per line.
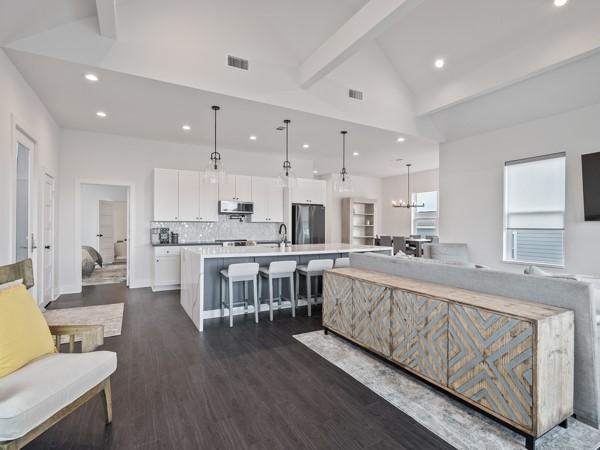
<point>355,153</point>
<point>401,139</point>
<point>315,171</point>
<point>559,3</point>
<point>91,77</point>
<point>305,145</point>
<point>186,127</point>
<point>252,138</point>
<point>101,114</point>
<point>439,63</point>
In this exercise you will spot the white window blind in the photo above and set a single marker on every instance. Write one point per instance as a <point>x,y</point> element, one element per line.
<point>535,209</point>
<point>425,218</point>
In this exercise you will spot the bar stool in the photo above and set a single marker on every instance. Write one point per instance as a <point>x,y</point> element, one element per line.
<point>234,273</point>
<point>314,268</point>
<point>342,262</point>
<point>277,270</point>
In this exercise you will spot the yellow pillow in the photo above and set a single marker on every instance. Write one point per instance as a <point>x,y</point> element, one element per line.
<point>24,333</point>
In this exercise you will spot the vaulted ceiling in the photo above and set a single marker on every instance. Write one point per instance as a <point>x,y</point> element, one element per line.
<point>304,56</point>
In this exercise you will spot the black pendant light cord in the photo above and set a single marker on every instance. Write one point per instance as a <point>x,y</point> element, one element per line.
<point>215,157</point>
<point>286,164</point>
<point>343,172</point>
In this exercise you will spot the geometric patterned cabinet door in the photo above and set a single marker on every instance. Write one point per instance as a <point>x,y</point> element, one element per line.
<point>420,335</point>
<point>490,361</point>
<point>371,320</point>
<point>337,303</point>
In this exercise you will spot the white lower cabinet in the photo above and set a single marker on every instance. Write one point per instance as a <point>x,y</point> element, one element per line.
<point>167,268</point>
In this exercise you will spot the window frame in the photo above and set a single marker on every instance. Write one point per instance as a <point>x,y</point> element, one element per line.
<point>414,218</point>
<point>506,240</point>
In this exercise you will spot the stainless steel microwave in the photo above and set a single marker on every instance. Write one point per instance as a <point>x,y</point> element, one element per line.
<point>232,207</point>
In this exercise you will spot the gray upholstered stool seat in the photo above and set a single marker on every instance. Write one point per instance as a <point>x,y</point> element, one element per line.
<point>278,270</point>
<point>314,268</point>
<point>234,273</point>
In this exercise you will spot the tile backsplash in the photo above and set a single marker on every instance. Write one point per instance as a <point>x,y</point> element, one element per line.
<point>225,228</point>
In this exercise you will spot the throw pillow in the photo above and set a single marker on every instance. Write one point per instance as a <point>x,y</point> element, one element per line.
<point>24,333</point>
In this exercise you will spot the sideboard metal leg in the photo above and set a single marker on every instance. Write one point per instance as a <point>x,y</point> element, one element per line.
<point>530,442</point>
<point>564,423</point>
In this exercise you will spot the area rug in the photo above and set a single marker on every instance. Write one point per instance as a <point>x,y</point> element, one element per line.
<point>109,274</point>
<point>457,424</point>
<point>111,316</point>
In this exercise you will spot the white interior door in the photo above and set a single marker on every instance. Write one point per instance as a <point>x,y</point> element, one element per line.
<point>48,241</point>
<point>23,231</point>
<point>105,232</point>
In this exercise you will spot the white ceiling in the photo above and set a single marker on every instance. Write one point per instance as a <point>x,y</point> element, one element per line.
<point>156,110</point>
<point>26,17</point>
<point>502,56</point>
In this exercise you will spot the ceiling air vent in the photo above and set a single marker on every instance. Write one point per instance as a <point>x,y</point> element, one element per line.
<point>353,93</point>
<point>238,63</point>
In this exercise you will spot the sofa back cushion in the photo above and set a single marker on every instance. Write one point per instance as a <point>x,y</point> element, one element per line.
<point>24,333</point>
<point>447,252</point>
<point>574,295</point>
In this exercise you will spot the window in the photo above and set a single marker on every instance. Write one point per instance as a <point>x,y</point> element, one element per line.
<point>534,210</point>
<point>425,219</point>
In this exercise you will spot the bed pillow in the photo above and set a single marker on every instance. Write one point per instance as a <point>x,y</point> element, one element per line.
<point>24,333</point>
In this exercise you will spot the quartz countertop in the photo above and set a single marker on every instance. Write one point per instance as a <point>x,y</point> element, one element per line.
<point>218,244</point>
<point>307,249</point>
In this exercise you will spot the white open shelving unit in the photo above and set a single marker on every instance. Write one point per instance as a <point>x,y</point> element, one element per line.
<point>358,221</point>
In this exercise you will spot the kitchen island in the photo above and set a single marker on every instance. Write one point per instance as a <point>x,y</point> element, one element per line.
<point>200,267</point>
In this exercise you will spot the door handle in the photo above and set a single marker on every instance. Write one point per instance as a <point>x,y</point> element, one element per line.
<point>47,247</point>
<point>100,235</point>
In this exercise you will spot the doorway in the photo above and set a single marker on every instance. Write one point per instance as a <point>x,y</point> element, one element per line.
<point>23,244</point>
<point>48,241</point>
<point>104,222</point>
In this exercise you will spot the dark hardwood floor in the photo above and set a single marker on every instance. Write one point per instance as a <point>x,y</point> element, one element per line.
<point>253,386</point>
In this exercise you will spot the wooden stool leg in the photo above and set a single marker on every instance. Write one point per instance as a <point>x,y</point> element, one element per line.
<point>106,396</point>
<point>256,302</point>
<point>270,298</point>
<point>230,303</point>
<point>292,297</point>
<point>308,294</point>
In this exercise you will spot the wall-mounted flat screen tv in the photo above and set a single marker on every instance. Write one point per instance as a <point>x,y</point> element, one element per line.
<point>590,165</point>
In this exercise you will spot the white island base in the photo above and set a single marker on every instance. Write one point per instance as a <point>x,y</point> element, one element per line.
<point>200,267</point>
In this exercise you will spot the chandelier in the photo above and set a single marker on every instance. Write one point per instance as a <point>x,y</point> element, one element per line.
<point>409,203</point>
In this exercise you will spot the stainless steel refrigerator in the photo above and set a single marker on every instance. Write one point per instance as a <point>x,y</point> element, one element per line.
<point>308,224</point>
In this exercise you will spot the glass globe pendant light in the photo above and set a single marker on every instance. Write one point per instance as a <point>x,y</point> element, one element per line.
<point>215,171</point>
<point>343,183</point>
<point>287,178</point>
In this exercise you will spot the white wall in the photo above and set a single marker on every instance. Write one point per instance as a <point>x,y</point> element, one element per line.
<point>397,221</point>
<point>363,187</point>
<point>91,194</point>
<point>19,105</point>
<point>102,158</point>
<point>471,186</point>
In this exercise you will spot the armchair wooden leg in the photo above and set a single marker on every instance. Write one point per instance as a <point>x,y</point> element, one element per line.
<point>12,445</point>
<point>106,396</point>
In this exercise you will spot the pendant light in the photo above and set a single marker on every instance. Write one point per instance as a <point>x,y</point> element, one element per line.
<point>214,170</point>
<point>410,203</point>
<point>287,178</point>
<point>343,183</point>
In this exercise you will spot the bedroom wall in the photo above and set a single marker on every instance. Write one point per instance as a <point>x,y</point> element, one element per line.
<point>91,194</point>
<point>104,158</point>
<point>19,105</point>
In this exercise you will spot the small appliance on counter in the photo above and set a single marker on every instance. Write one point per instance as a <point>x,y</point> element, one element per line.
<point>232,242</point>
<point>163,236</point>
<point>155,236</point>
<point>174,238</point>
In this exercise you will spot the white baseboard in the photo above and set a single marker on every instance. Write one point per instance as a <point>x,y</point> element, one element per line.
<point>137,284</point>
<point>69,289</point>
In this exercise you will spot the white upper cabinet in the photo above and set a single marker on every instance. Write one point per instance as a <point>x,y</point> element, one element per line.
<point>209,201</point>
<point>183,196</point>
<point>166,195</point>
<point>189,195</point>
<point>236,188</point>
<point>267,196</point>
<point>309,191</point>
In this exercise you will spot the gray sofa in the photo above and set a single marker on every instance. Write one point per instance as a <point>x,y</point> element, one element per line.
<point>574,295</point>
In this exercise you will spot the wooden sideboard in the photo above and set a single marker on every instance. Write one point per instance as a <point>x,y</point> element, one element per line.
<point>511,358</point>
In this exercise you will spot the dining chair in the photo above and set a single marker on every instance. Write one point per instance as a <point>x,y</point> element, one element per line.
<point>385,241</point>
<point>434,239</point>
<point>399,244</point>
